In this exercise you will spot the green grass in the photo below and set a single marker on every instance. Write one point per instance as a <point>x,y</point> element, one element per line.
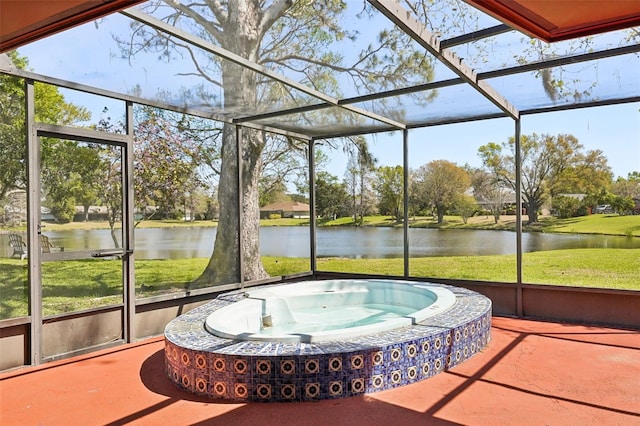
<point>597,268</point>
<point>82,284</point>
<point>608,224</point>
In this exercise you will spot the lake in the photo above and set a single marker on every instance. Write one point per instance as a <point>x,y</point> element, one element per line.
<point>293,241</point>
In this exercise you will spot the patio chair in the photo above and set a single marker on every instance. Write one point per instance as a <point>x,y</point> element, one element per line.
<point>47,246</point>
<point>19,247</point>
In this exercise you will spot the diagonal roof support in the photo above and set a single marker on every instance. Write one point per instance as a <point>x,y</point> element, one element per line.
<point>230,56</point>
<point>417,31</point>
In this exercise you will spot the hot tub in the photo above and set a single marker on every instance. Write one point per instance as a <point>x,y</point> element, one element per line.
<point>318,311</point>
<point>346,355</point>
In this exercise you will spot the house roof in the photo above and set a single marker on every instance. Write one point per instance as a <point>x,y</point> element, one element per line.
<point>287,206</point>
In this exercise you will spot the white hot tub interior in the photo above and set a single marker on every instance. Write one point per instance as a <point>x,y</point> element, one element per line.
<point>316,311</point>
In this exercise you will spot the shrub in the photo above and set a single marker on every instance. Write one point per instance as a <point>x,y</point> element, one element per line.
<point>566,207</point>
<point>63,210</point>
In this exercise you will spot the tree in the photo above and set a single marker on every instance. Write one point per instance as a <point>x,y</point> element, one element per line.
<point>620,204</point>
<point>361,165</point>
<point>276,193</point>
<point>466,206</point>
<point>273,34</point>
<point>629,187</point>
<point>89,165</point>
<point>165,161</point>
<point>489,190</point>
<point>66,165</point>
<point>550,165</point>
<point>112,190</point>
<point>12,138</point>
<point>332,199</point>
<point>565,207</point>
<point>352,184</point>
<point>70,176</point>
<point>283,161</point>
<point>390,188</point>
<point>50,107</point>
<point>442,184</point>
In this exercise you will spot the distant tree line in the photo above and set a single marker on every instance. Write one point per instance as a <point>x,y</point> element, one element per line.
<point>556,172</point>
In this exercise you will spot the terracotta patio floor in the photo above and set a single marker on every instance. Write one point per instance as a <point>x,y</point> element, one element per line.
<point>532,373</point>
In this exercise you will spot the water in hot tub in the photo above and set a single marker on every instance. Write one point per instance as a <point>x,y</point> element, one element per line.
<point>326,318</point>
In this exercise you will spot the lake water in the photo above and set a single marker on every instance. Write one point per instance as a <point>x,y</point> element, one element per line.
<point>293,241</point>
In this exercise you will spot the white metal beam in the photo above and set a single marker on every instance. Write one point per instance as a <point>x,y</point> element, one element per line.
<point>417,31</point>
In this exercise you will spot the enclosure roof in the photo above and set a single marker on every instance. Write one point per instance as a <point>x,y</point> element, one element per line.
<point>474,66</point>
<point>24,21</point>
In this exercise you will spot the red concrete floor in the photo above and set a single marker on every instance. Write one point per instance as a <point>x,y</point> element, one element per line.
<point>532,373</point>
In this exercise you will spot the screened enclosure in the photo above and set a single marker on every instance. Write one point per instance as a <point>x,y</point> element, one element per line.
<point>174,150</point>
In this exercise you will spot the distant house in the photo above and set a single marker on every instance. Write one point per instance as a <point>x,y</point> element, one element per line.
<point>288,209</point>
<point>578,197</point>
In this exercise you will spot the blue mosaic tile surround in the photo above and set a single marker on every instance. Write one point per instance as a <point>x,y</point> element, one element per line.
<point>207,365</point>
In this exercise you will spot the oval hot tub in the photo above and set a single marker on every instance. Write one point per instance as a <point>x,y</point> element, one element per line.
<point>309,341</point>
<point>319,311</point>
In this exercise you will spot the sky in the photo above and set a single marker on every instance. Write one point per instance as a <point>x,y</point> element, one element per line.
<point>613,129</point>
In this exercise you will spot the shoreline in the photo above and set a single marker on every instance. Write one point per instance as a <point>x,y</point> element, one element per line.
<point>611,224</point>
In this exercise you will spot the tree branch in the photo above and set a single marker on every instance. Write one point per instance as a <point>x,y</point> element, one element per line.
<point>207,25</point>
<point>218,10</point>
<point>272,14</point>
<point>200,70</point>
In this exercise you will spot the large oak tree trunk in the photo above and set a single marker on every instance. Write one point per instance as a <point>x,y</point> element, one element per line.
<point>532,211</point>
<point>223,267</point>
<point>240,36</point>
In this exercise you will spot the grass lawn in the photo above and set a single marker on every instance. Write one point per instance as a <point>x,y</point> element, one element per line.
<point>75,285</point>
<point>82,284</point>
<point>609,224</point>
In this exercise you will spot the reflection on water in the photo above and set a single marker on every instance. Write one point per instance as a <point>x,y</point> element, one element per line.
<point>293,241</point>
